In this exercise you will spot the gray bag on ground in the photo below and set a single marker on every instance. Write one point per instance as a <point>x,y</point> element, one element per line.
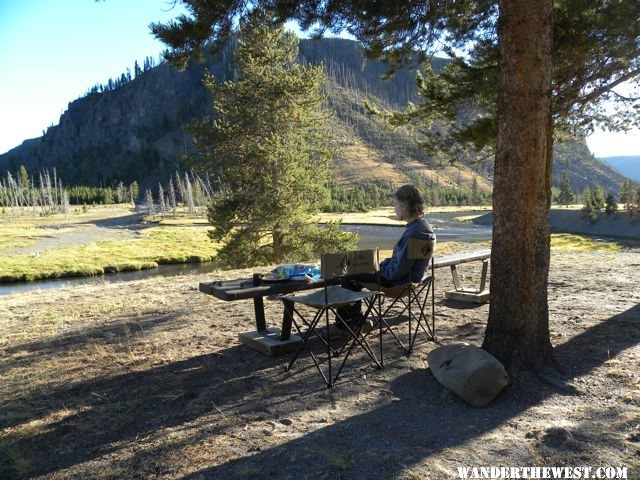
<point>470,372</point>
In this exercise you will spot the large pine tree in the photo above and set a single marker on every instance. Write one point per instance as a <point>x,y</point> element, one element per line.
<point>528,68</point>
<point>268,145</point>
<point>566,195</point>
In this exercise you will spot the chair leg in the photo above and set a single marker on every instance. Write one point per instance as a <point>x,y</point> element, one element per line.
<point>326,316</point>
<point>421,318</point>
<point>410,316</point>
<point>379,312</point>
<point>357,340</point>
<point>387,326</point>
<point>305,337</point>
<point>327,379</point>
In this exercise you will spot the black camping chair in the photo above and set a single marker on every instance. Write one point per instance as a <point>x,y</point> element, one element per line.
<point>328,300</point>
<point>411,298</point>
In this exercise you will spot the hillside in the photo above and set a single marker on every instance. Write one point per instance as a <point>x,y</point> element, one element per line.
<point>629,166</point>
<point>136,131</point>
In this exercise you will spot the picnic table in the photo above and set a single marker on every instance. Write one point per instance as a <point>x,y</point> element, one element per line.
<point>274,341</point>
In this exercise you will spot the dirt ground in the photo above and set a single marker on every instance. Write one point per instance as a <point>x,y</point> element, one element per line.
<point>147,379</point>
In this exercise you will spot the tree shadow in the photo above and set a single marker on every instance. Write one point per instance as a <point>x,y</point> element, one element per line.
<point>383,442</point>
<point>93,417</point>
<point>130,222</point>
<point>111,333</point>
<point>460,305</point>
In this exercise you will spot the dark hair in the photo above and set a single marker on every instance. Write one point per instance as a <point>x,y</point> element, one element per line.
<point>412,198</point>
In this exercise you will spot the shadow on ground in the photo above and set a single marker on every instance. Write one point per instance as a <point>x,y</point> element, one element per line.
<point>376,445</point>
<point>235,386</point>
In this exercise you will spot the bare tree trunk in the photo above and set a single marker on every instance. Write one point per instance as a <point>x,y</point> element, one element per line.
<point>518,326</point>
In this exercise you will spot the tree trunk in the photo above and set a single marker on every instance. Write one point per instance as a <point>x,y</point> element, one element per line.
<point>518,326</point>
<point>278,239</point>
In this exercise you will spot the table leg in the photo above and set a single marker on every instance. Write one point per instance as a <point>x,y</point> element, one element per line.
<point>287,320</point>
<point>456,279</point>
<point>258,306</point>
<point>483,277</point>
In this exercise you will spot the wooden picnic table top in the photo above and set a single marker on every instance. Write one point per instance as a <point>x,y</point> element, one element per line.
<point>244,288</point>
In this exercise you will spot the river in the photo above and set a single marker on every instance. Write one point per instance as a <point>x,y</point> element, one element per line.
<point>447,230</point>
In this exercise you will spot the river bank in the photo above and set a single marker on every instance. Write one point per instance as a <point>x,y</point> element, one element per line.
<point>117,239</point>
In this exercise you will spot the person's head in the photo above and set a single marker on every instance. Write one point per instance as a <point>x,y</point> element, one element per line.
<point>408,203</point>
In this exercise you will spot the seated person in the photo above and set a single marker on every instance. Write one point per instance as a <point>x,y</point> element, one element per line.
<point>408,204</point>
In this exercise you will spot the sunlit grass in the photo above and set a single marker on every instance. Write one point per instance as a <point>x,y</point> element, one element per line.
<point>155,246</point>
<point>9,240</point>
<point>467,218</point>
<point>566,241</point>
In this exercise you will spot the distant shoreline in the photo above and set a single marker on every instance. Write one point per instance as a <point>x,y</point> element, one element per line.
<point>619,225</point>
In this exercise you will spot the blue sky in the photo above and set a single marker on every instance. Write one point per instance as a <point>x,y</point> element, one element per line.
<point>53,51</point>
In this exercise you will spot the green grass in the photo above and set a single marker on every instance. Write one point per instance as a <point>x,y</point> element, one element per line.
<point>9,241</point>
<point>21,234</point>
<point>155,246</point>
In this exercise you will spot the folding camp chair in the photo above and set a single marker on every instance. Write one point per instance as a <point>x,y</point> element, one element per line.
<point>411,298</point>
<point>327,300</point>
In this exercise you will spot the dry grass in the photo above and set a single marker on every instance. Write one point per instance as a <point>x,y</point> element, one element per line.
<point>359,163</point>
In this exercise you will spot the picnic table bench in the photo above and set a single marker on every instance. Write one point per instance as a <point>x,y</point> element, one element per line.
<point>462,293</point>
<point>275,341</point>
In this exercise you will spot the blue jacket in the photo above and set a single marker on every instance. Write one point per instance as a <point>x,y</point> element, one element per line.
<point>399,269</point>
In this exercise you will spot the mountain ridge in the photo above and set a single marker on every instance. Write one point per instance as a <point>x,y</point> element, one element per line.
<point>136,131</point>
<point>627,165</point>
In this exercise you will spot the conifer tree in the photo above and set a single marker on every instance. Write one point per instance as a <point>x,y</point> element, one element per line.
<point>189,195</point>
<point>627,195</point>
<point>173,202</point>
<point>134,191</point>
<point>148,201</point>
<point>588,208</point>
<point>270,146</point>
<point>161,199</point>
<point>597,197</point>
<point>611,205</point>
<point>566,195</point>
<point>476,197</point>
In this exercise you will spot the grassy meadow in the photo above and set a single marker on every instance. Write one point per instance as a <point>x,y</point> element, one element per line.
<point>107,239</point>
<point>78,245</point>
